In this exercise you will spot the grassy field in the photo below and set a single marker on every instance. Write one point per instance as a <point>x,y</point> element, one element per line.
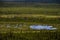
<point>29,16</point>
<point>29,10</point>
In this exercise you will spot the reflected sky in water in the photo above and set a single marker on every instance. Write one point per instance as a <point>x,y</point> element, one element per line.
<point>41,27</point>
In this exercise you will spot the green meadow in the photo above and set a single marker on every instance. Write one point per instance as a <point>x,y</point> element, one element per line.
<point>29,16</point>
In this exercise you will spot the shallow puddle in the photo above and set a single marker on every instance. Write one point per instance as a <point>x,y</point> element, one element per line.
<point>42,27</point>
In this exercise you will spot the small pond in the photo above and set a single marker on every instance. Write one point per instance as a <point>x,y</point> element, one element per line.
<point>31,26</point>
<point>42,27</point>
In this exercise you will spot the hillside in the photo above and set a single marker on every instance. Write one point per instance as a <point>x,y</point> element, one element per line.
<point>29,3</point>
<point>41,1</point>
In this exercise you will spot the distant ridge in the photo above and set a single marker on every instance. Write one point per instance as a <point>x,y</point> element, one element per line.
<point>28,3</point>
<point>41,1</point>
<point>28,0</point>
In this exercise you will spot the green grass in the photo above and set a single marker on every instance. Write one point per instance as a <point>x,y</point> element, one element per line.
<point>22,35</point>
<point>28,16</point>
<point>29,10</point>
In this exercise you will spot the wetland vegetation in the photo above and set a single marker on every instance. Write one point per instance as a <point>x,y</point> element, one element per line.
<point>23,17</point>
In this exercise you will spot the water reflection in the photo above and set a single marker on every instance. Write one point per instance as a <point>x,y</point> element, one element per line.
<point>31,26</point>
<point>42,27</point>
